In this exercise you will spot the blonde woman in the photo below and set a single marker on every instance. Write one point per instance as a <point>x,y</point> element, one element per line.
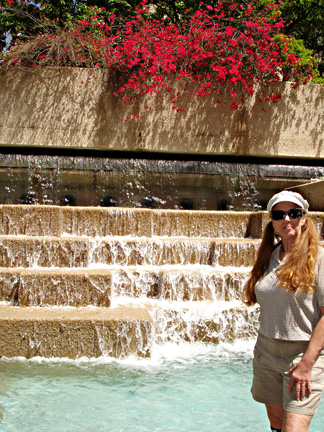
<point>287,281</point>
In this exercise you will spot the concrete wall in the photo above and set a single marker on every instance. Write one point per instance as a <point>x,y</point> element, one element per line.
<point>76,109</point>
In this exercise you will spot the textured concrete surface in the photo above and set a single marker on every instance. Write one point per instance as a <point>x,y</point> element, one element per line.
<point>74,332</point>
<point>172,251</point>
<point>76,109</point>
<point>53,221</point>
<point>46,287</point>
<point>44,252</point>
<point>56,287</point>
<point>30,220</point>
<point>224,325</point>
<point>197,285</point>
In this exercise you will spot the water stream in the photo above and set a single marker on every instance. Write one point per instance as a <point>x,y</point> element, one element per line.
<point>175,184</point>
<point>185,269</point>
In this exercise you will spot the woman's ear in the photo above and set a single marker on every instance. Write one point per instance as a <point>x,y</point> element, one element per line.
<point>303,222</point>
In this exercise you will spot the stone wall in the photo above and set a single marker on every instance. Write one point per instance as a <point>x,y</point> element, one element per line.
<point>76,109</point>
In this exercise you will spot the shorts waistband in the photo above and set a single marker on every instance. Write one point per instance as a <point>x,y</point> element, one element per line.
<point>282,348</point>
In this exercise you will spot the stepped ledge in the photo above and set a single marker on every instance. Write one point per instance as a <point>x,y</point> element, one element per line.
<point>74,332</point>
<point>80,322</point>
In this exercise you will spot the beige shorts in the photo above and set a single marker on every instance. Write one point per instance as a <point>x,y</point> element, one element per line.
<point>272,360</point>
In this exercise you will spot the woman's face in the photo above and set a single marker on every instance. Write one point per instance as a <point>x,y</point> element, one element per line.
<point>288,228</point>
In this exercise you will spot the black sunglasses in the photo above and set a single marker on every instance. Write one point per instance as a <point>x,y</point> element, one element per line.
<point>295,213</point>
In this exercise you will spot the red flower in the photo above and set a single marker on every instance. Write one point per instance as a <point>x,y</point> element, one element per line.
<point>203,50</point>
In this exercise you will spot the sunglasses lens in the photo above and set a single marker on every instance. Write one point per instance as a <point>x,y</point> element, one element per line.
<point>278,214</point>
<point>295,213</point>
<point>292,213</point>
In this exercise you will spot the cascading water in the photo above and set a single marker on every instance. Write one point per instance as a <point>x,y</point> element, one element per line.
<point>189,285</point>
<point>174,184</point>
<point>177,340</point>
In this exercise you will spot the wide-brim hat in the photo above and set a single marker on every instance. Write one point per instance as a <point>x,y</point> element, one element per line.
<point>289,196</point>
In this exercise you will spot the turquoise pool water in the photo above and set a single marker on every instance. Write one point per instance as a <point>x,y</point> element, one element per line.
<point>183,388</point>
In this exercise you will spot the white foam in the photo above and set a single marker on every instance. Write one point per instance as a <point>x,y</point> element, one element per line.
<point>167,355</point>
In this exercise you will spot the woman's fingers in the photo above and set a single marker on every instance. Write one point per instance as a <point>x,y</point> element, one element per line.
<point>302,389</point>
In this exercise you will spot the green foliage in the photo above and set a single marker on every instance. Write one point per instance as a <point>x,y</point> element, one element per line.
<point>304,19</point>
<point>318,80</point>
<point>24,19</point>
<point>297,48</point>
<point>19,19</point>
<point>70,11</point>
<point>306,62</point>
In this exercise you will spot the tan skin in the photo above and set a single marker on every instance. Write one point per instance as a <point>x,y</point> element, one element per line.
<point>290,230</point>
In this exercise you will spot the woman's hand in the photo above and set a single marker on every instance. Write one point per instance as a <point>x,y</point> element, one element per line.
<point>301,376</point>
<point>301,372</point>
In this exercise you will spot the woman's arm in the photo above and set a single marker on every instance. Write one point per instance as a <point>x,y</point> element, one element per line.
<point>301,373</point>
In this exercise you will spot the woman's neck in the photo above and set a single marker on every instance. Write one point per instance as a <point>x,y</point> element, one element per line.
<point>287,244</point>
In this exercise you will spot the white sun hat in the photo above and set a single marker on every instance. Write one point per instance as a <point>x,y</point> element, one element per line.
<point>289,196</point>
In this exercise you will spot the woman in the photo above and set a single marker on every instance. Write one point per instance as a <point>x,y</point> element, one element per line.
<point>287,281</point>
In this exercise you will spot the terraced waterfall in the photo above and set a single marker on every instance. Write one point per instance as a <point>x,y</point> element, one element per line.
<point>91,281</point>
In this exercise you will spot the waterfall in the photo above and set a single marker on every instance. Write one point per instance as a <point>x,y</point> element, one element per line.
<point>81,281</point>
<point>145,183</point>
<point>114,256</point>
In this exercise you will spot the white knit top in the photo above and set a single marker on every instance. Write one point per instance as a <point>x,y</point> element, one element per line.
<point>285,314</point>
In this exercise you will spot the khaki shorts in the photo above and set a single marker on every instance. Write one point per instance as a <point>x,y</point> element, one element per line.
<point>272,360</point>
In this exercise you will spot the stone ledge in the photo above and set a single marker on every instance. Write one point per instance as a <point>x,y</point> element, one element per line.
<point>33,251</point>
<point>59,287</point>
<point>85,114</point>
<point>80,222</point>
<point>58,252</point>
<point>174,251</point>
<point>30,220</point>
<point>223,325</point>
<point>69,252</point>
<point>45,287</point>
<point>178,283</point>
<point>53,221</point>
<point>74,332</point>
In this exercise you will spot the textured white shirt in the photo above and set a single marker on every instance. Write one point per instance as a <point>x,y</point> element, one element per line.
<point>285,314</point>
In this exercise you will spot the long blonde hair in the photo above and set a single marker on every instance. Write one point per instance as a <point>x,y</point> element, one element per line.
<point>296,272</point>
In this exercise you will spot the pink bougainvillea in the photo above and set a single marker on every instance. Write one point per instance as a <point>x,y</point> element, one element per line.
<point>232,46</point>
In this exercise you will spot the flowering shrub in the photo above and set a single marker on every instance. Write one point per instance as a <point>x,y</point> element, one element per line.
<point>233,45</point>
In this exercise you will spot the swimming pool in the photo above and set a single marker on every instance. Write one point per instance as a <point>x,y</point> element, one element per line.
<point>183,388</point>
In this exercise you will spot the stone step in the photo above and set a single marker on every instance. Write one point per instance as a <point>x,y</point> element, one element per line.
<point>74,332</point>
<point>56,287</point>
<point>48,220</point>
<point>17,251</point>
<point>71,252</point>
<point>117,332</point>
<point>207,321</point>
<point>180,283</point>
<point>174,251</point>
<point>225,325</point>
<point>85,287</point>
